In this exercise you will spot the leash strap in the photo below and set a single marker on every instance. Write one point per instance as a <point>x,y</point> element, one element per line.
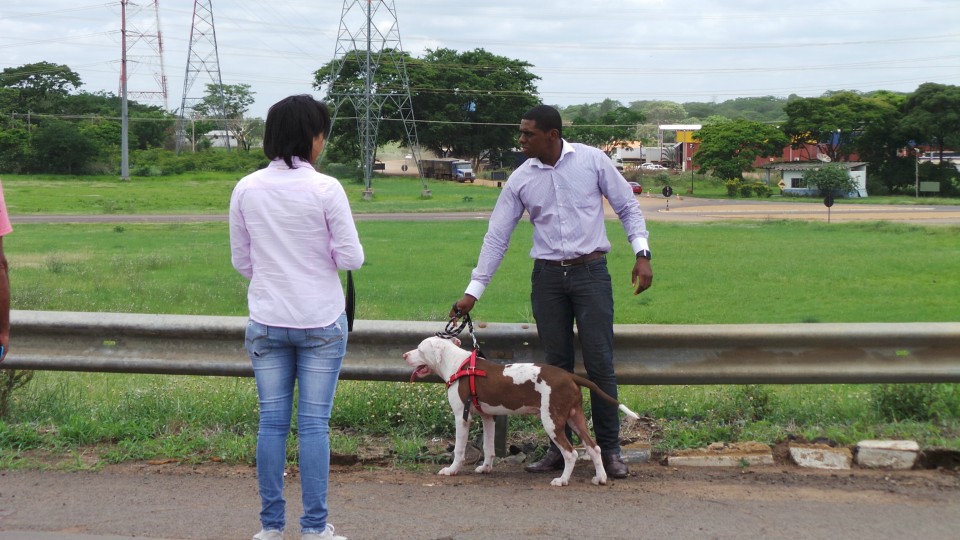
<point>452,330</point>
<point>351,301</point>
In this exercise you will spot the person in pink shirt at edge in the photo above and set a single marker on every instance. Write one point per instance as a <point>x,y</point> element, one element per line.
<point>291,230</point>
<point>5,229</point>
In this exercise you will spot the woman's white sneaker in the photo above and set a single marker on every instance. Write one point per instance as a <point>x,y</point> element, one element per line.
<point>328,534</point>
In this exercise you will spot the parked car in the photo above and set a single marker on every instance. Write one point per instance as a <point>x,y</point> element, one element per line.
<point>653,167</point>
<point>637,188</point>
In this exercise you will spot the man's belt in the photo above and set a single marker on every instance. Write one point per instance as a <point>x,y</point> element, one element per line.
<point>574,262</point>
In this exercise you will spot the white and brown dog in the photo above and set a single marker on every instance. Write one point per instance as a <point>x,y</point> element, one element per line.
<point>492,389</point>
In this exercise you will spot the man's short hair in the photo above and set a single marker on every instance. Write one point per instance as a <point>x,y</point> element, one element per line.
<point>545,117</point>
<point>292,125</point>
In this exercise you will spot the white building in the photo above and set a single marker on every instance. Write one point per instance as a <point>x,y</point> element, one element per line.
<point>218,138</point>
<point>792,183</point>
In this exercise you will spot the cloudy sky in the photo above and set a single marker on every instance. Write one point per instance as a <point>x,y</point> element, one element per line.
<point>583,51</point>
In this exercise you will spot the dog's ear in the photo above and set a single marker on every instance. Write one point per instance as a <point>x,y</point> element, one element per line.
<point>430,347</point>
<point>455,340</point>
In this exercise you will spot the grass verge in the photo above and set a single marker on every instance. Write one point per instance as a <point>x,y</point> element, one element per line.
<point>750,272</point>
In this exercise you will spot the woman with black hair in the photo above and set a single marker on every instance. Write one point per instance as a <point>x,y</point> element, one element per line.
<point>291,231</point>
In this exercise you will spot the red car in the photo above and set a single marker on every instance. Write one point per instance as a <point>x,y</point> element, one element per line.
<point>637,188</point>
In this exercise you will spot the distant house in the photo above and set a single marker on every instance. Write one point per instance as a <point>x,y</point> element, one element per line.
<point>791,176</point>
<point>218,139</point>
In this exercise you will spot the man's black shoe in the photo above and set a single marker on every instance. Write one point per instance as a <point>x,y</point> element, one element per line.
<point>614,465</point>
<point>551,461</point>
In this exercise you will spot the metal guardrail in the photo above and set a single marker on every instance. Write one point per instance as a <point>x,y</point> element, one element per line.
<point>815,353</point>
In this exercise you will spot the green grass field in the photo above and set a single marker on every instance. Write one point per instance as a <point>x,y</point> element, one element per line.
<point>735,272</point>
<point>731,272</point>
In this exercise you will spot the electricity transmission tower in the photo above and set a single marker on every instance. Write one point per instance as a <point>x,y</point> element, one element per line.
<point>369,39</point>
<point>141,46</point>
<point>202,57</point>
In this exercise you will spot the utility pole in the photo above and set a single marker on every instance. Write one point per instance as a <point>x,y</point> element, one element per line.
<point>124,121</point>
<point>916,173</point>
<point>137,33</point>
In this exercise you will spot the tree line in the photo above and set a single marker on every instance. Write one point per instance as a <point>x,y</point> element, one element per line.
<point>885,129</point>
<point>468,104</point>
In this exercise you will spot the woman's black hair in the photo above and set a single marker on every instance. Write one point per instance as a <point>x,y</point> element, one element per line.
<point>546,118</point>
<point>292,125</point>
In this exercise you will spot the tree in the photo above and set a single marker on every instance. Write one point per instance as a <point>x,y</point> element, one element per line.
<point>237,99</point>
<point>833,123</point>
<point>39,86</point>
<point>880,143</point>
<point>61,147</point>
<point>728,149</point>
<point>466,104</point>
<point>350,80</point>
<point>14,147</point>
<point>832,179</point>
<point>488,93</point>
<point>608,131</point>
<point>932,115</point>
<point>660,112</point>
<point>767,109</point>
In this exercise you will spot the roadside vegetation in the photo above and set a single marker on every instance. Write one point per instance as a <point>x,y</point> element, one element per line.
<point>731,272</point>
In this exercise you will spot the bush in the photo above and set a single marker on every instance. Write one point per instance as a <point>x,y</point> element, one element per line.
<point>661,179</point>
<point>10,381</point>
<point>159,162</point>
<point>762,190</point>
<point>746,190</point>
<point>733,187</point>
<point>343,171</point>
<point>922,402</point>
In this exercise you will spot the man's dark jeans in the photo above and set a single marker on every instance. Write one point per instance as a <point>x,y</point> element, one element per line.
<point>561,296</point>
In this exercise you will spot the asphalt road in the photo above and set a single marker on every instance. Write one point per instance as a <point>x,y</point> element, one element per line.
<point>655,208</point>
<point>215,501</point>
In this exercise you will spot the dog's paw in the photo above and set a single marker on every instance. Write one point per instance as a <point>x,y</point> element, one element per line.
<point>599,480</point>
<point>484,469</point>
<point>559,482</point>
<point>449,471</point>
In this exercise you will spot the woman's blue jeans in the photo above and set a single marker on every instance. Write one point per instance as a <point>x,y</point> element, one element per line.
<point>311,359</point>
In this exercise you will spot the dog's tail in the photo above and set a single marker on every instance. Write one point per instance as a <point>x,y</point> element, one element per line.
<point>582,381</point>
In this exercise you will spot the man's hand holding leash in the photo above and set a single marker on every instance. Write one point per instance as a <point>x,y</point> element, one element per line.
<point>462,307</point>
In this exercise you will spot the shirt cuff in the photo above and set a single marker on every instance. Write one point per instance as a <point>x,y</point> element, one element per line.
<point>475,289</point>
<point>639,245</point>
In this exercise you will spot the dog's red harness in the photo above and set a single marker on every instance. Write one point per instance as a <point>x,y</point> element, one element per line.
<point>472,373</point>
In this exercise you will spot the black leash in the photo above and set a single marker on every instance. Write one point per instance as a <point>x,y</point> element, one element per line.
<point>351,301</point>
<point>453,331</point>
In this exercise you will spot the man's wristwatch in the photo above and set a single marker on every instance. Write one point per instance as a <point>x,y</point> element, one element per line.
<point>645,253</point>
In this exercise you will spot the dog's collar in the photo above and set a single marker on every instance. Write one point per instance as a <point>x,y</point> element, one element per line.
<point>469,369</point>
